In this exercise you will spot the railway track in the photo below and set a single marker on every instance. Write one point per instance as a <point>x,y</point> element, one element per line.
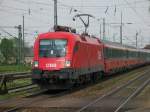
<point>36,98</point>
<point>22,88</point>
<point>115,100</point>
<point>28,88</point>
<point>7,79</point>
<point>88,107</point>
<point>30,95</point>
<point>28,102</point>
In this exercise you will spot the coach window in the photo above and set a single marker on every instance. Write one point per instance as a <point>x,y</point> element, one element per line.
<point>105,52</point>
<point>117,53</point>
<point>110,53</point>
<point>114,53</point>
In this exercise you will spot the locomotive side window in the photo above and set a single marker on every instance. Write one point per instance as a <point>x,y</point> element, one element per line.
<point>76,47</point>
<point>52,48</point>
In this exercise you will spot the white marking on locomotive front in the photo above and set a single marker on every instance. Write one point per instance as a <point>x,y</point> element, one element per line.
<point>51,65</point>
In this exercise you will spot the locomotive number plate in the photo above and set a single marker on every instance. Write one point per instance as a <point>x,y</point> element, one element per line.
<point>50,65</point>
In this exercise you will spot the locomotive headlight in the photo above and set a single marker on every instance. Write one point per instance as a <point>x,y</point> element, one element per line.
<point>36,64</point>
<point>67,63</point>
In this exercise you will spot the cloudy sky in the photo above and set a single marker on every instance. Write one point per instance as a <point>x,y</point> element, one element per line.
<point>39,17</point>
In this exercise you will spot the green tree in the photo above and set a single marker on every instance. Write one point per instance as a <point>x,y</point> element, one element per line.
<point>7,49</point>
<point>15,49</point>
<point>1,58</point>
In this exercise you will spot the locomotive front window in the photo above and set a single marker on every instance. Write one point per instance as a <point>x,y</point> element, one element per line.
<point>53,48</point>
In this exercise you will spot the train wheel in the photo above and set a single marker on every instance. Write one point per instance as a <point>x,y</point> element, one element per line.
<point>95,77</point>
<point>101,75</point>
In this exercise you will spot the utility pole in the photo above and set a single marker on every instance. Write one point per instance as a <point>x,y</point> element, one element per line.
<point>19,58</point>
<point>23,46</point>
<point>104,28</point>
<point>136,39</point>
<point>100,28</point>
<point>121,30</point>
<point>55,12</point>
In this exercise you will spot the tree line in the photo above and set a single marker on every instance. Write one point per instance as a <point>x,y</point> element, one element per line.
<point>9,49</point>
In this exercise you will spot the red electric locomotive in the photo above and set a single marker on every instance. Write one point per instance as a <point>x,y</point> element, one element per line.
<point>62,58</point>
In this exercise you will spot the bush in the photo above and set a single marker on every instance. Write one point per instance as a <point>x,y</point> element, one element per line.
<point>14,68</point>
<point>2,58</point>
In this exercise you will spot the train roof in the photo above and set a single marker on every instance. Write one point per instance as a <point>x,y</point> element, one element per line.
<point>117,45</point>
<point>144,50</point>
<point>84,38</point>
<point>95,40</point>
<point>88,39</point>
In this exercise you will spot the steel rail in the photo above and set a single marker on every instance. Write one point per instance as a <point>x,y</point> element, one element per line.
<point>112,92</point>
<point>138,90</point>
<point>7,77</point>
<point>23,88</point>
<point>17,73</point>
<point>30,94</point>
<point>18,107</point>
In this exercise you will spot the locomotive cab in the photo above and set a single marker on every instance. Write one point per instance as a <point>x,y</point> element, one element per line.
<point>52,57</point>
<point>52,54</point>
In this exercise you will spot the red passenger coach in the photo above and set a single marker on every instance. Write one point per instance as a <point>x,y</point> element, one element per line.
<point>119,57</point>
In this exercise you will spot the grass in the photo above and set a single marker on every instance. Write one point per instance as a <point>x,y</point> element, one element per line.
<point>12,95</point>
<point>15,83</point>
<point>19,83</point>
<point>14,68</point>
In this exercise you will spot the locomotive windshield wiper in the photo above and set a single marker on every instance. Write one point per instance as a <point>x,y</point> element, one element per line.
<point>45,56</point>
<point>58,55</point>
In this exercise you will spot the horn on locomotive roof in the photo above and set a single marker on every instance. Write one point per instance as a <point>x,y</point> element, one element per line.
<point>86,23</point>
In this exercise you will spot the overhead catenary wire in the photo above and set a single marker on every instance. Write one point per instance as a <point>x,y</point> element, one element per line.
<point>63,6</point>
<point>140,1</point>
<point>34,20</point>
<point>3,30</point>
<point>26,11</point>
<point>35,2</point>
<point>58,2</point>
<point>138,15</point>
<point>114,5</point>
